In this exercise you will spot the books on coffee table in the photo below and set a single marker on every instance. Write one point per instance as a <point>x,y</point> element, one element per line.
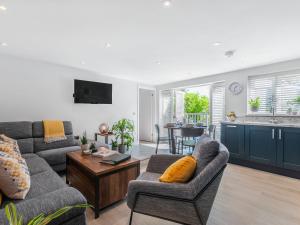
<point>115,159</point>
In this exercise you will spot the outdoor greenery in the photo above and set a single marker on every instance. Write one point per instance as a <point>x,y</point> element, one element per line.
<point>15,219</point>
<point>195,103</point>
<point>297,100</point>
<point>124,129</point>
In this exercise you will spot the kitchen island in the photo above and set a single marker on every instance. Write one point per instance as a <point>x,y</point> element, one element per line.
<point>272,147</point>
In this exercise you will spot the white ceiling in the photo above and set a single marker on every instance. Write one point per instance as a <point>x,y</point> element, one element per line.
<point>143,32</point>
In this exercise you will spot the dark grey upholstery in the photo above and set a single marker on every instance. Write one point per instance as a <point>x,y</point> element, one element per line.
<point>188,203</point>
<point>48,191</point>
<point>30,137</point>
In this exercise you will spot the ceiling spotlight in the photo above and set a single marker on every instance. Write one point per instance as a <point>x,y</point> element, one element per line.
<point>229,53</point>
<point>82,62</point>
<point>167,3</point>
<point>3,8</point>
<point>217,43</point>
<point>107,45</point>
<point>158,62</point>
<point>3,44</point>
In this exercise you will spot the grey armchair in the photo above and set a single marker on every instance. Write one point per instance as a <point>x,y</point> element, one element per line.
<point>188,203</point>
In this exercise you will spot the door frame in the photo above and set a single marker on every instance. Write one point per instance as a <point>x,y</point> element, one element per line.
<point>138,110</point>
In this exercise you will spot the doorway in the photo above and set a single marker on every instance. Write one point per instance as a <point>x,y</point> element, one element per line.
<point>146,114</point>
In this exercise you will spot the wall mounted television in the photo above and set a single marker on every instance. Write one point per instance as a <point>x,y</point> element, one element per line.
<point>92,92</point>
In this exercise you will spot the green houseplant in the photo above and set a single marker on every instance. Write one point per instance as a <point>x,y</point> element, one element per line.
<point>254,104</point>
<point>124,129</point>
<point>15,219</point>
<point>84,143</point>
<point>114,144</point>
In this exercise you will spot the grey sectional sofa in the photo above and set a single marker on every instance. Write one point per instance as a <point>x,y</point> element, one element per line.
<point>48,191</point>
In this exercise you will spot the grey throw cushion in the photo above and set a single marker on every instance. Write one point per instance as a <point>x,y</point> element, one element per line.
<point>205,153</point>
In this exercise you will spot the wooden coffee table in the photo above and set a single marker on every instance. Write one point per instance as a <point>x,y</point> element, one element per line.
<point>101,184</point>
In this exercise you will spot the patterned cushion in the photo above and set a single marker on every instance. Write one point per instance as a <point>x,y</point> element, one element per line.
<point>6,139</point>
<point>14,173</point>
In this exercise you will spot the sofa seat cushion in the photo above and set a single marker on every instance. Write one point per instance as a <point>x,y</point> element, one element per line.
<point>36,164</point>
<point>44,182</point>
<point>57,156</point>
<point>148,176</point>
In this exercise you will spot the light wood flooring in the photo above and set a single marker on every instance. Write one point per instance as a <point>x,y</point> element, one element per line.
<point>245,197</point>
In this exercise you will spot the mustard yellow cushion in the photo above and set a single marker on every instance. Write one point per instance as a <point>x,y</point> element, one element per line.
<point>180,171</point>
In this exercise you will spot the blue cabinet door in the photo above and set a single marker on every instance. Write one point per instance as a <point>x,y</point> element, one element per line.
<point>288,152</point>
<point>233,136</point>
<point>260,144</point>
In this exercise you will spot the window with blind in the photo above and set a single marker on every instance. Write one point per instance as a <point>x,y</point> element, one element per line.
<point>218,106</point>
<point>280,91</point>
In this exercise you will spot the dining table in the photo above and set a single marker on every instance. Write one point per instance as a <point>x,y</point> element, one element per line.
<point>172,144</point>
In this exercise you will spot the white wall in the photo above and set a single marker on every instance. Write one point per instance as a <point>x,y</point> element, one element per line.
<point>32,90</point>
<point>235,103</point>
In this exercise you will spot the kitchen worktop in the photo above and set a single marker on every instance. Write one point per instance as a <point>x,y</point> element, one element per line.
<point>269,124</point>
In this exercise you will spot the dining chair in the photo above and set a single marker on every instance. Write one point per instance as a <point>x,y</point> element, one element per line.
<point>188,138</point>
<point>212,131</point>
<point>159,138</point>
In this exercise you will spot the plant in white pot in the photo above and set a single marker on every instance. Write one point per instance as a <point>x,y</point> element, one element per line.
<point>84,144</point>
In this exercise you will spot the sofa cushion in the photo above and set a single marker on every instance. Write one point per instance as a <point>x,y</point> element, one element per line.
<point>58,155</point>
<point>16,130</point>
<point>36,164</point>
<point>44,182</point>
<point>40,145</point>
<point>25,145</point>
<point>148,176</point>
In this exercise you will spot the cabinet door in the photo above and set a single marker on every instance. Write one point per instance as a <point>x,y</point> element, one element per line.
<point>260,144</point>
<point>289,148</point>
<point>232,136</point>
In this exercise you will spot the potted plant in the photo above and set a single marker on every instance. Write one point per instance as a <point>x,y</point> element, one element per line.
<point>254,104</point>
<point>84,143</point>
<point>14,218</point>
<point>93,148</point>
<point>114,144</point>
<point>124,129</point>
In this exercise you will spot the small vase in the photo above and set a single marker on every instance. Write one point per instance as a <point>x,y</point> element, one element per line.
<point>122,148</point>
<point>84,148</point>
<point>254,109</point>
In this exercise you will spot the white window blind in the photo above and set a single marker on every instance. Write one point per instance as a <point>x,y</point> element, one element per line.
<point>279,91</point>
<point>218,107</point>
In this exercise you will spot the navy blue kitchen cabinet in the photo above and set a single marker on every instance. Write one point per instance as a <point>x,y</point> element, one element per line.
<point>288,149</point>
<point>233,137</point>
<point>260,144</point>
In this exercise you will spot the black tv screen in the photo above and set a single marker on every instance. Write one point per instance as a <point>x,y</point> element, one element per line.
<point>92,92</point>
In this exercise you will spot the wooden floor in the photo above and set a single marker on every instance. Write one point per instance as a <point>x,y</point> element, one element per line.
<point>246,197</point>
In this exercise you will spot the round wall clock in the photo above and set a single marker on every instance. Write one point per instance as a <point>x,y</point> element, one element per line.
<point>235,88</point>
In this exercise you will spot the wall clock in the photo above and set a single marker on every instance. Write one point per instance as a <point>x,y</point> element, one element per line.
<point>235,88</point>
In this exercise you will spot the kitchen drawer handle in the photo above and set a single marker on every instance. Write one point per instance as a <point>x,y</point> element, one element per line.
<point>279,134</point>
<point>273,133</point>
<point>231,126</point>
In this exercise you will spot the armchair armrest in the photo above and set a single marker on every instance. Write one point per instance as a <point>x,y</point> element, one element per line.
<point>49,203</point>
<point>159,163</point>
<point>175,190</point>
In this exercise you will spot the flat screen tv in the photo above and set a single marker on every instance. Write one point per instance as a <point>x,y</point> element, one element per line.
<point>92,92</point>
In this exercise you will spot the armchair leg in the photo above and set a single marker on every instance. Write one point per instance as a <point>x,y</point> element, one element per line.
<point>131,215</point>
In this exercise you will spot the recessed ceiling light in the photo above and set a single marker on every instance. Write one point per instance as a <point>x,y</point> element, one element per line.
<point>107,45</point>
<point>82,62</point>
<point>217,43</point>
<point>229,53</point>
<point>3,8</point>
<point>158,62</point>
<point>3,44</point>
<point>167,3</point>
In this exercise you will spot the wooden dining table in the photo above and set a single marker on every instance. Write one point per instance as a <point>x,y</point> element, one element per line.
<point>171,129</point>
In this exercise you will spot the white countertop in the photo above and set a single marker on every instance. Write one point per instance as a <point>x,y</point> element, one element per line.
<point>296,125</point>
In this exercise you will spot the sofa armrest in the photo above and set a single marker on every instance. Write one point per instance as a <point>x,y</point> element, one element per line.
<point>175,190</point>
<point>48,204</point>
<point>159,163</point>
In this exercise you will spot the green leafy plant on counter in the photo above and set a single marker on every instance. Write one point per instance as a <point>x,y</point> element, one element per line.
<point>15,219</point>
<point>254,104</point>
